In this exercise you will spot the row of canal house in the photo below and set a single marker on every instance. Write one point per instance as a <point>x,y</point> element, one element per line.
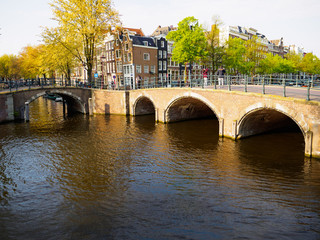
<point>131,59</point>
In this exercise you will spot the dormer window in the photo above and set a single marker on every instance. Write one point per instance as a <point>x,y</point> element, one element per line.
<point>145,43</point>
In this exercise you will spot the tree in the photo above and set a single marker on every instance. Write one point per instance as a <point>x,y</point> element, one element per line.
<point>82,26</point>
<point>253,55</point>
<point>295,59</point>
<point>285,66</point>
<point>189,42</point>
<point>31,61</point>
<point>269,64</point>
<point>213,47</point>
<point>276,64</point>
<point>309,63</point>
<point>234,56</point>
<point>9,67</point>
<point>58,58</point>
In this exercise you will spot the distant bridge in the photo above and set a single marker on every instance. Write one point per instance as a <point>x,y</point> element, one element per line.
<point>15,105</point>
<point>240,114</point>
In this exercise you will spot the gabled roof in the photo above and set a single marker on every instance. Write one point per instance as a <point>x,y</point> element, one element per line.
<point>143,41</point>
<point>163,30</point>
<point>135,31</point>
<point>276,42</point>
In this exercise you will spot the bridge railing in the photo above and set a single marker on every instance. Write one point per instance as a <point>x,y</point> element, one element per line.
<point>284,85</point>
<point>281,84</point>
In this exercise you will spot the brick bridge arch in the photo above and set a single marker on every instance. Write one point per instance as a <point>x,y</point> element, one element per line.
<point>189,107</point>
<point>262,119</point>
<point>77,100</point>
<point>143,105</point>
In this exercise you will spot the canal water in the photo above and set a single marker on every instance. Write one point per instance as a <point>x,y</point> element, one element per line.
<point>117,177</point>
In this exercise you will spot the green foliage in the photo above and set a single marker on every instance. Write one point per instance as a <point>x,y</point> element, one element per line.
<point>295,58</point>
<point>234,56</point>
<point>214,49</point>
<point>310,63</point>
<point>189,41</point>
<point>9,67</point>
<point>253,55</point>
<point>276,64</point>
<point>82,26</point>
<point>31,61</point>
<point>58,56</point>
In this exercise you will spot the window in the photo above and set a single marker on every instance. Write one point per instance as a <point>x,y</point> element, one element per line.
<point>121,80</point>
<point>119,67</point>
<point>164,65</point>
<point>146,81</point>
<point>160,65</point>
<point>127,46</point>
<point>108,68</point>
<point>164,54</point>
<point>127,70</point>
<point>162,44</point>
<point>138,68</point>
<point>160,54</point>
<point>153,69</point>
<point>117,42</point>
<point>145,43</point>
<point>129,57</point>
<point>125,58</point>
<point>118,54</point>
<point>146,56</point>
<point>146,69</point>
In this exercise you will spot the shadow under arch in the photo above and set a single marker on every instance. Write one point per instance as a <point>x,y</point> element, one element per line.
<point>73,102</point>
<point>143,106</point>
<point>264,120</point>
<point>188,108</point>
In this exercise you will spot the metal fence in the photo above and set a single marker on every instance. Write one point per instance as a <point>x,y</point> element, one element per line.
<point>266,84</point>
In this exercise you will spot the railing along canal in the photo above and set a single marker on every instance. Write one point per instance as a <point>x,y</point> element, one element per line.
<point>285,85</point>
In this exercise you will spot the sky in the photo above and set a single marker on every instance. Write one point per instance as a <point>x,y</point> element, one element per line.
<point>297,21</point>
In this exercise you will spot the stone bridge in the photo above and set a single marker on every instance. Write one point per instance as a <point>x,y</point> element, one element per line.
<point>239,114</point>
<point>15,105</point>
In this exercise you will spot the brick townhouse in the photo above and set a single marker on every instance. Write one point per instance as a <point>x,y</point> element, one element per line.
<point>131,59</point>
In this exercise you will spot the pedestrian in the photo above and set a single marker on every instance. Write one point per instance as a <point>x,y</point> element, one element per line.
<point>205,76</point>
<point>220,73</point>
